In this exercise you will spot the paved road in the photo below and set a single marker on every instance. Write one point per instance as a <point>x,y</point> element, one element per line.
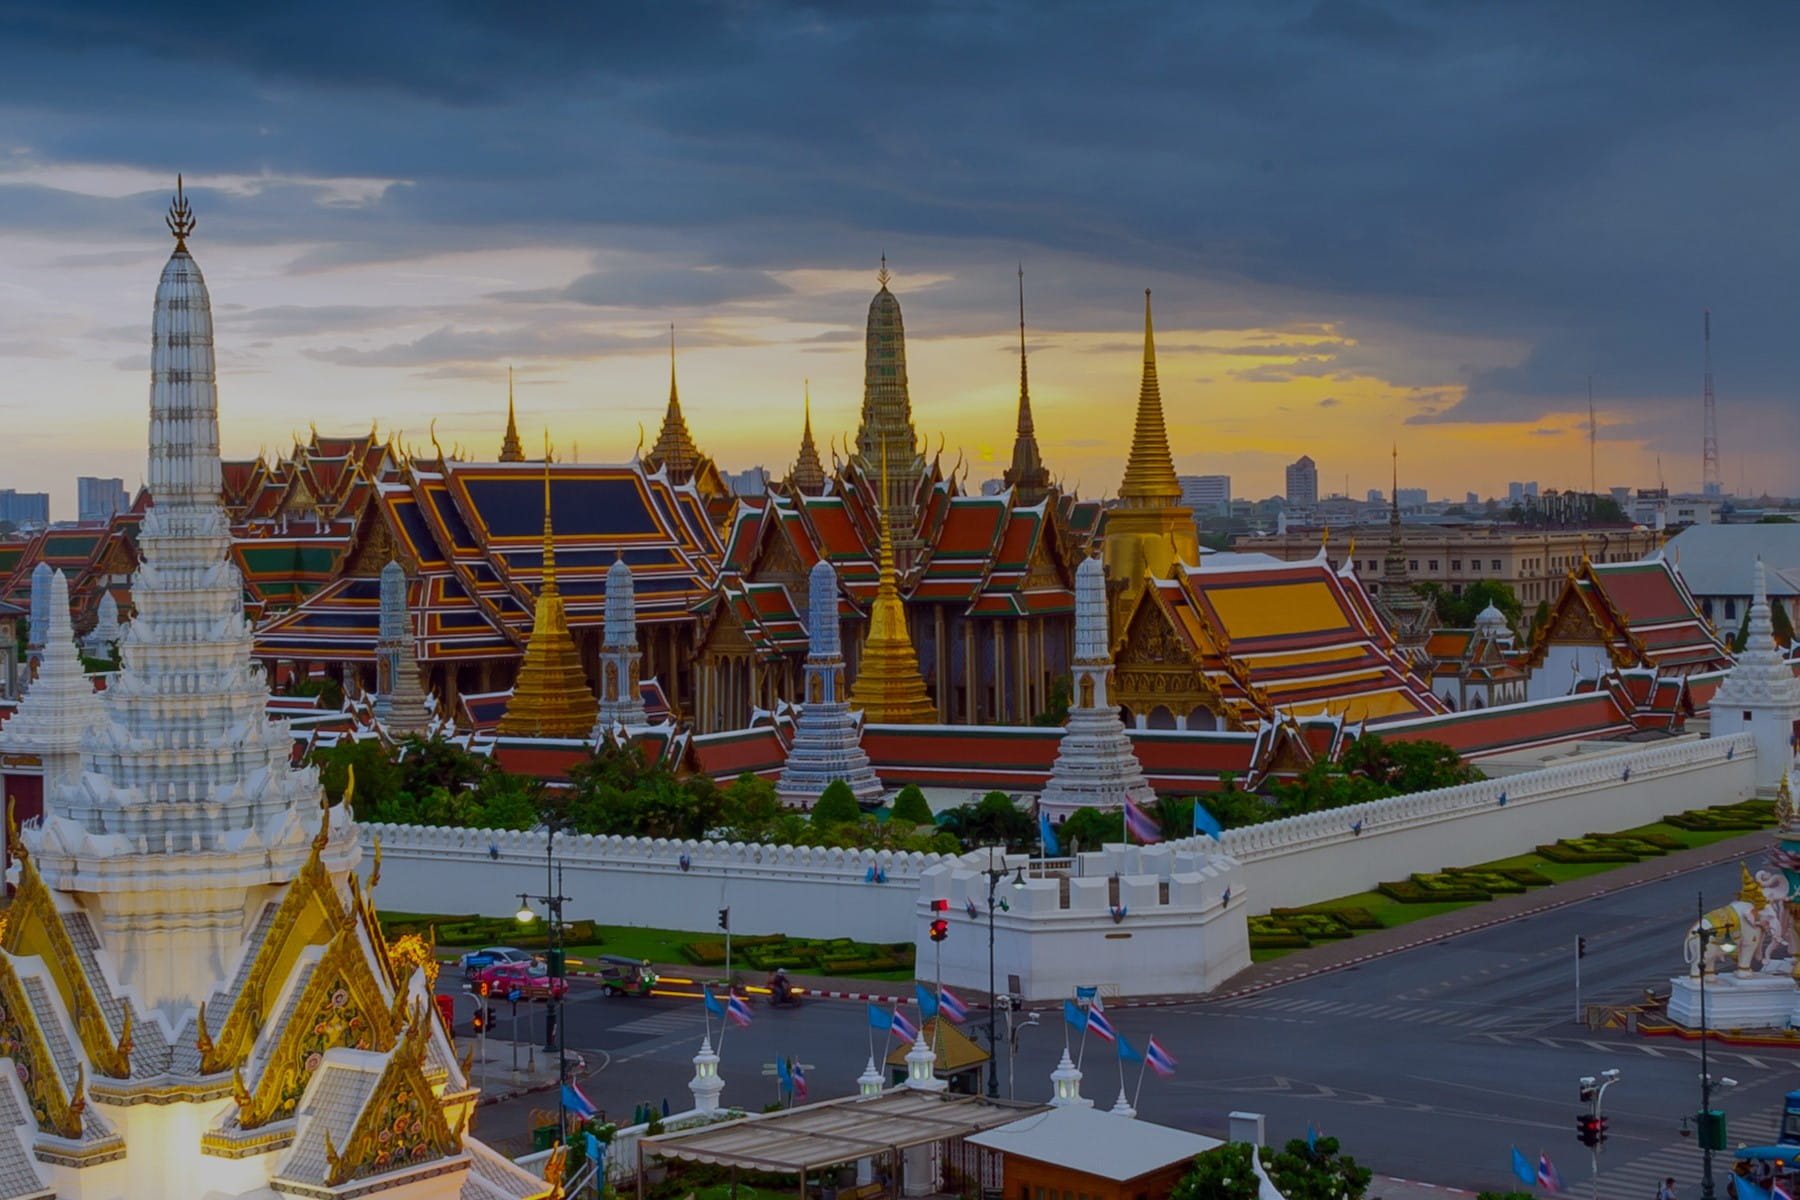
<point>1429,1064</point>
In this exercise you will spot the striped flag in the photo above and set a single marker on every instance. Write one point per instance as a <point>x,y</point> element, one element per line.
<point>1158,1059</point>
<point>576,1101</point>
<point>902,1028</point>
<point>1548,1177</point>
<point>1777,1192</point>
<point>738,1011</point>
<point>1141,825</point>
<point>1099,1026</point>
<point>799,1078</point>
<point>951,1005</point>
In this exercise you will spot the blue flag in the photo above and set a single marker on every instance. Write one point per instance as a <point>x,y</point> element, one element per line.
<point>1523,1169</point>
<point>712,1002</point>
<point>1074,1015</point>
<point>1205,822</point>
<point>783,1074</point>
<point>1047,836</point>
<point>1128,1052</point>
<point>1312,1139</point>
<point>880,1018</point>
<point>1749,1191</point>
<point>928,1004</point>
<point>596,1154</point>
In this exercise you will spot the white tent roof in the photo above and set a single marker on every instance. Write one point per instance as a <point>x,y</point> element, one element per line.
<point>1095,1142</point>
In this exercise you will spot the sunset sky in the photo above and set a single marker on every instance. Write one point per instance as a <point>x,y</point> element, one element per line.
<point>1364,223</point>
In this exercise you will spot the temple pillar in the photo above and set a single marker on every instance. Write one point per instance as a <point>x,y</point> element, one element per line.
<point>996,632</point>
<point>1021,662</point>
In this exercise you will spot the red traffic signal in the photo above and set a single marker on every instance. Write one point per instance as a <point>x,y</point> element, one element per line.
<point>940,906</point>
<point>1587,1129</point>
<point>940,929</point>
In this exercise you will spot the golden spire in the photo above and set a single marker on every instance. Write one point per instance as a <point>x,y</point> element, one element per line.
<point>1150,471</point>
<point>808,475</point>
<point>888,687</point>
<point>181,218</point>
<point>510,449</point>
<point>675,449</point>
<point>1027,476</point>
<point>551,697</point>
<point>882,275</point>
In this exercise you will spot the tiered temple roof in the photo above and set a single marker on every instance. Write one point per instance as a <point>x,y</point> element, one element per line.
<point>1641,612</point>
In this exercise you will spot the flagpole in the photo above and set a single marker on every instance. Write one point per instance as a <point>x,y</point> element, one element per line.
<point>1118,1046</point>
<point>1142,1067</point>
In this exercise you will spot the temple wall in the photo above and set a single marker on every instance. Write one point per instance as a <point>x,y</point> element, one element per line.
<point>1130,920</point>
<point>802,891</point>
<point>1306,859</point>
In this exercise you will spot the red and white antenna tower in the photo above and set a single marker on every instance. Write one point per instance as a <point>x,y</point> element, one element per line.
<point>1710,484</point>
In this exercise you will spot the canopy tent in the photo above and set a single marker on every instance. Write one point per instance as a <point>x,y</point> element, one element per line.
<point>833,1132</point>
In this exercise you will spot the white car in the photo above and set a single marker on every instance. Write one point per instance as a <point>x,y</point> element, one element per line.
<point>475,960</point>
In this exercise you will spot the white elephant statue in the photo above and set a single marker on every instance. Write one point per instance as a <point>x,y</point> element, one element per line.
<point>1753,926</point>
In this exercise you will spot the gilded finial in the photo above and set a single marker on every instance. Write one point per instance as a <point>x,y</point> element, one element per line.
<point>180,220</point>
<point>375,871</point>
<point>1749,890</point>
<point>202,1039</point>
<point>882,275</point>
<point>1784,804</point>
<point>126,1045</point>
<point>240,1093</point>
<point>15,845</point>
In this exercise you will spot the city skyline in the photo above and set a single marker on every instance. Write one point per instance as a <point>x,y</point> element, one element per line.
<point>1444,264</point>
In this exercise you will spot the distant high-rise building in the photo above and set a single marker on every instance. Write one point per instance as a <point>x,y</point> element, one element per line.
<point>1516,491</point>
<point>1303,483</point>
<point>752,481</point>
<point>1411,497</point>
<point>98,499</point>
<point>24,508</point>
<point>1376,496</point>
<point>1470,499</point>
<point>1207,495</point>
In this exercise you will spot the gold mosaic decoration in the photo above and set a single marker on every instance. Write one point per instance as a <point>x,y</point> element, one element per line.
<point>341,1006</point>
<point>402,1125</point>
<point>23,1042</point>
<point>36,929</point>
<point>310,914</point>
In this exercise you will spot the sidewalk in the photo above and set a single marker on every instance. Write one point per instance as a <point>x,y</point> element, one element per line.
<point>537,1070</point>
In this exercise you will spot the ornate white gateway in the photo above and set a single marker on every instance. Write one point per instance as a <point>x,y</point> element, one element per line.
<point>195,997</point>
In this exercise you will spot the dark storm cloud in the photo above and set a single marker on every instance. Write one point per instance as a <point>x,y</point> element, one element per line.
<point>1575,179</point>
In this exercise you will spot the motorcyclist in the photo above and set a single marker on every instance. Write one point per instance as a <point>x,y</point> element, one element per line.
<point>779,987</point>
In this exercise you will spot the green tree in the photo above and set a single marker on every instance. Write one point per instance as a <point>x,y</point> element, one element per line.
<point>1459,610</point>
<point>1784,628</point>
<point>836,806</point>
<point>1775,519</point>
<point>378,793</point>
<point>1090,829</point>
<point>1316,1172</point>
<point>750,810</point>
<point>508,801</point>
<point>1540,616</point>
<point>993,818</point>
<point>911,808</point>
<point>1741,638</point>
<point>1232,807</point>
<point>1403,767</point>
<point>1056,706</point>
<point>1226,1172</point>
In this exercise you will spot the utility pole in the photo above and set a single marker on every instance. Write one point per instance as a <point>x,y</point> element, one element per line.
<point>1580,953</point>
<point>1710,484</point>
<point>1591,1125</point>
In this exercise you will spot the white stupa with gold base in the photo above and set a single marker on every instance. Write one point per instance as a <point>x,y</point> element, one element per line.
<point>195,996</point>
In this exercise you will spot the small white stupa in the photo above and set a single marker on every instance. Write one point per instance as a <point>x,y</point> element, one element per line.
<point>102,640</point>
<point>621,697</point>
<point>59,713</point>
<point>827,742</point>
<point>1095,764</point>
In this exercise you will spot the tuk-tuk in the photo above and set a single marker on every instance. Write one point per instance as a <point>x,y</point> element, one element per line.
<point>1783,1158</point>
<point>623,976</point>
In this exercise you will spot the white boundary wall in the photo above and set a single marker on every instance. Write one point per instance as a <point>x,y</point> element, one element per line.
<point>1306,859</point>
<point>804,891</point>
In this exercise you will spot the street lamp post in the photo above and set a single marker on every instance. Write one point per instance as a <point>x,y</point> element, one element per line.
<point>1594,1092</point>
<point>552,901</point>
<point>994,876</point>
<point>1708,1128</point>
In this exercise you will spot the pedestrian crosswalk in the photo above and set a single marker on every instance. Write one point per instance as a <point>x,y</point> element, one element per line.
<point>1275,1003</point>
<point>1639,1178</point>
<point>657,1024</point>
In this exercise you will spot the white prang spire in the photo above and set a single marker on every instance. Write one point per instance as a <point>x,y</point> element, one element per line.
<point>1760,696</point>
<point>187,804</point>
<point>827,742</point>
<point>1095,766</point>
<point>621,699</point>
<point>57,716</point>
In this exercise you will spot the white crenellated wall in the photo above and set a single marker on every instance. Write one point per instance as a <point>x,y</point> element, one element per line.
<point>1306,859</point>
<point>1179,927</point>
<point>804,891</point>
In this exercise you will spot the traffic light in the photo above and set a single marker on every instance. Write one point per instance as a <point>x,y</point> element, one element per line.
<point>940,929</point>
<point>482,987</point>
<point>480,1021</point>
<point>725,919</point>
<point>1600,1129</point>
<point>1587,1129</point>
<point>1580,947</point>
<point>1712,1129</point>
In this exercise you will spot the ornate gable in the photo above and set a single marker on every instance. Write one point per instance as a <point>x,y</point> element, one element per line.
<point>340,1006</point>
<point>310,914</point>
<point>22,1040</point>
<point>34,928</point>
<point>401,1126</point>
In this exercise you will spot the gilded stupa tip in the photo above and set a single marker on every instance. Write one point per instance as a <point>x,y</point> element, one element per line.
<point>1150,470</point>
<point>882,276</point>
<point>510,448</point>
<point>180,220</point>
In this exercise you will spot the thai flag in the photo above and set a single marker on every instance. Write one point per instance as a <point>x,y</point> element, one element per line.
<point>1548,1177</point>
<point>1777,1192</point>
<point>904,1029</point>
<point>951,1005</point>
<point>576,1101</point>
<point>1099,1026</point>
<point>1158,1059</point>
<point>1141,825</point>
<point>738,1011</point>
<point>799,1078</point>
